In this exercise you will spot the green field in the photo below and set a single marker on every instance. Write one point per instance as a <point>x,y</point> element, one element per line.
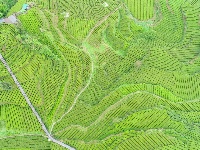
<point>141,9</point>
<point>116,76</point>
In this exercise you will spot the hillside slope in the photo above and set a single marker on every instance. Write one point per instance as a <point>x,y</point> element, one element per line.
<point>102,76</point>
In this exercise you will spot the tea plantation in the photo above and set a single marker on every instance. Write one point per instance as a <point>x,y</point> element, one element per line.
<point>102,75</point>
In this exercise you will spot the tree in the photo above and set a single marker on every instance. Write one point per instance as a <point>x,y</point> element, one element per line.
<point>5,5</point>
<point>3,9</point>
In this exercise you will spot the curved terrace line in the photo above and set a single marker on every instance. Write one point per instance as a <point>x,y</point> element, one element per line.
<point>92,65</point>
<point>32,107</point>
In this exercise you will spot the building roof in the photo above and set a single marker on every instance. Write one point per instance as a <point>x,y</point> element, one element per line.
<point>25,6</point>
<point>11,19</point>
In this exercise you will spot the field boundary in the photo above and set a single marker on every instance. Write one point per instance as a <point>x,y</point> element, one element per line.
<point>32,107</point>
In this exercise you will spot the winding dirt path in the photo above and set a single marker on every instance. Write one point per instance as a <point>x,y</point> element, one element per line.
<point>75,100</point>
<point>32,107</point>
<point>109,109</point>
<point>92,65</point>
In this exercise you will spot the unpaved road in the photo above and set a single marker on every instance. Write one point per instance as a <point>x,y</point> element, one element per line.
<point>32,107</point>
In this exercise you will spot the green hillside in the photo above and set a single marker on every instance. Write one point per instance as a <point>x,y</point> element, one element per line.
<point>102,75</point>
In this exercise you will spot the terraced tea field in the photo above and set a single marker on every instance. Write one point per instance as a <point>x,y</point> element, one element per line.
<point>101,75</point>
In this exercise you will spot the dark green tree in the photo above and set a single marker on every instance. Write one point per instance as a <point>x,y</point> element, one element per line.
<point>5,5</point>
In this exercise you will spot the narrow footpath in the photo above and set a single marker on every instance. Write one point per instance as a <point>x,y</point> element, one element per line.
<point>32,107</point>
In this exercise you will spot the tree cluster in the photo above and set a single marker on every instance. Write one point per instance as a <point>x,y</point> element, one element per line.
<point>5,5</point>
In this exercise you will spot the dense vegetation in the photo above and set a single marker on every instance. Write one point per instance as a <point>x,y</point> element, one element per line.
<point>114,77</point>
<point>5,5</point>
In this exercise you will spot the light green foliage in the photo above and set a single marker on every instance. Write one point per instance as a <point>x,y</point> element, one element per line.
<point>141,9</point>
<point>78,28</point>
<point>26,142</point>
<point>17,7</point>
<point>111,75</point>
<point>31,21</point>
